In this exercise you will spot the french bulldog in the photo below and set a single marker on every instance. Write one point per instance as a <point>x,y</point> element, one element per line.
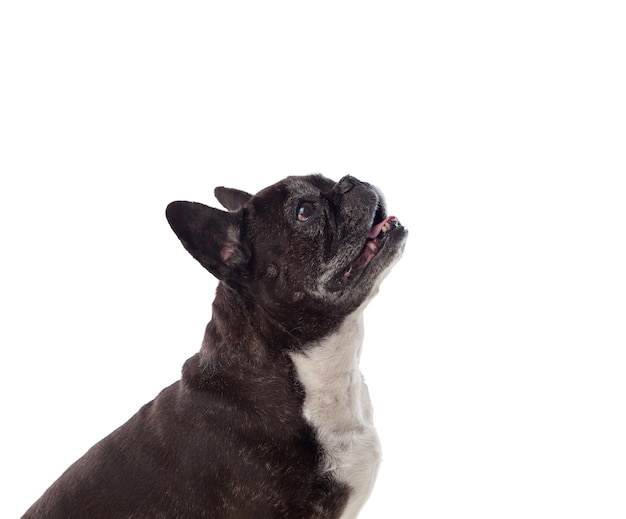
<point>272,418</point>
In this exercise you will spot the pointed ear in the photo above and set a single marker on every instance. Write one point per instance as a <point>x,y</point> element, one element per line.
<point>211,236</point>
<point>231,199</point>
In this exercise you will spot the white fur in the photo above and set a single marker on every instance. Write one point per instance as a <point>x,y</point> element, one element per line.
<point>337,404</point>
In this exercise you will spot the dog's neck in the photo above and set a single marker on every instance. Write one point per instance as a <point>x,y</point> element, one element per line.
<point>238,318</point>
<point>330,373</point>
<point>241,341</point>
<point>237,330</point>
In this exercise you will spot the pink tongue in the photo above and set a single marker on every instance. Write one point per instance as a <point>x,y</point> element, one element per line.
<point>375,231</point>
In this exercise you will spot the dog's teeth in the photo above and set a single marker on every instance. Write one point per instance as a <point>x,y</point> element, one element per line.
<point>392,222</point>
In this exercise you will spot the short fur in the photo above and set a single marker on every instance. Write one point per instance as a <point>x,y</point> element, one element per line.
<point>271,419</point>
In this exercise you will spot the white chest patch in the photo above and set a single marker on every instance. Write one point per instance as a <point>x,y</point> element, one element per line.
<point>338,406</point>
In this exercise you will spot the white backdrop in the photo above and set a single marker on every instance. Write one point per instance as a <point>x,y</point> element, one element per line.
<point>495,350</point>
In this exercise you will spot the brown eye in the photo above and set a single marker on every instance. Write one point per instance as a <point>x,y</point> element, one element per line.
<point>305,211</point>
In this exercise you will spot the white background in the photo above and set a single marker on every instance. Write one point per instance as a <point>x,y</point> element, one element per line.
<point>495,350</point>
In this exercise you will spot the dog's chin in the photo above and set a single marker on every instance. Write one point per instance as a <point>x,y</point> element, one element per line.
<point>383,243</point>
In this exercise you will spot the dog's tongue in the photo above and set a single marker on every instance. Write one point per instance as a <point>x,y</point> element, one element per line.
<point>375,231</point>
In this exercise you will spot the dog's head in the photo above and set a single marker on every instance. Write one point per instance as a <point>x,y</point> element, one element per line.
<point>307,249</point>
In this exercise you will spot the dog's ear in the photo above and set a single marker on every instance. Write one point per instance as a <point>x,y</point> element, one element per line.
<point>211,236</point>
<point>231,199</point>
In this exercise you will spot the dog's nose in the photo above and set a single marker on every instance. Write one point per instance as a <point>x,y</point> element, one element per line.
<point>346,184</point>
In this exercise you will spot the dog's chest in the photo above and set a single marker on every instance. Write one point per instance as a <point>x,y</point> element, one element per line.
<point>337,405</point>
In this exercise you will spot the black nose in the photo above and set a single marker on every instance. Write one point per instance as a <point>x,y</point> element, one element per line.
<point>346,184</point>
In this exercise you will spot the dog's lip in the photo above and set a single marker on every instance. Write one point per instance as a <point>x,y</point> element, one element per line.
<point>377,228</point>
<point>374,242</point>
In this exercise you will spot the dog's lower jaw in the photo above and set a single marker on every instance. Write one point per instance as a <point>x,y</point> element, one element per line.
<point>338,406</point>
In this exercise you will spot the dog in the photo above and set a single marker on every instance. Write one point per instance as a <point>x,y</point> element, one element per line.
<point>272,418</point>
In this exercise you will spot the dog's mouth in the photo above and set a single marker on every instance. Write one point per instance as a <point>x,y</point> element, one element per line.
<point>373,244</point>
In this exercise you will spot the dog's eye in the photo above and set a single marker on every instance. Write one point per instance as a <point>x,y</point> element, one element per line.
<point>305,211</point>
